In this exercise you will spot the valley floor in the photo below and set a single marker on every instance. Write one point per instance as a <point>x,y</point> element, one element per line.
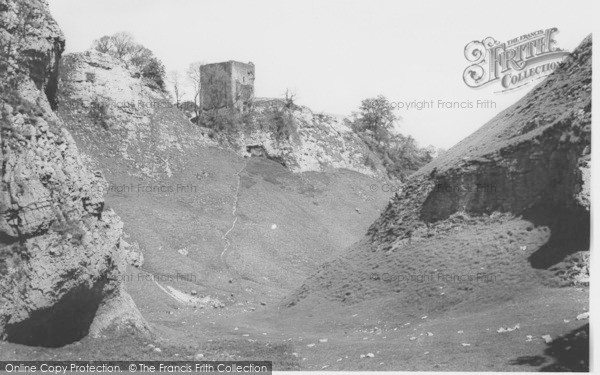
<point>335,337</point>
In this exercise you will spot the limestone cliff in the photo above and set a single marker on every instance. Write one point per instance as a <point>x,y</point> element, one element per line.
<point>60,260</point>
<point>120,122</point>
<point>316,141</point>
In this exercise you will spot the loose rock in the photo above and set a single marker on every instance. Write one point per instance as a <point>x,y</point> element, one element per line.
<point>547,338</point>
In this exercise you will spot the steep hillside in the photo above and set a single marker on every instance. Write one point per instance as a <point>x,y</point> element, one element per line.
<point>501,214</point>
<point>244,229</point>
<point>60,257</point>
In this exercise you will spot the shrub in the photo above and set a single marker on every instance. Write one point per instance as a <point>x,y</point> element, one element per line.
<point>226,121</point>
<point>277,119</point>
<point>283,124</point>
<point>154,70</point>
<point>369,162</point>
<point>100,112</point>
<point>289,99</point>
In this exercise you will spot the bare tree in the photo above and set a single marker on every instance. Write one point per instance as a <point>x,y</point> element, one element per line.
<point>210,88</point>
<point>103,44</point>
<point>120,45</point>
<point>175,81</point>
<point>289,99</point>
<point>195,76</point>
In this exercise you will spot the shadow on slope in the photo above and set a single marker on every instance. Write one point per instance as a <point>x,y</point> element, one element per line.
<point>570,353</point>
<point>65,322</point>
<point>570,233</point>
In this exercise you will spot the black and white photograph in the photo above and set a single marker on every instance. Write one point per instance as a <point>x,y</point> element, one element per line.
<point>264,186</point>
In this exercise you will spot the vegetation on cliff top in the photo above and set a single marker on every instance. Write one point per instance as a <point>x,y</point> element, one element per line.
<point>374,124</point>
<point>122,46</point>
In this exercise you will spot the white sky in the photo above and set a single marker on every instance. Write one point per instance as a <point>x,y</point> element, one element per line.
<point>336,53</point>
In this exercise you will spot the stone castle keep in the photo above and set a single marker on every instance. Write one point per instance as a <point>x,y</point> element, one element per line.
<point>227,84</point>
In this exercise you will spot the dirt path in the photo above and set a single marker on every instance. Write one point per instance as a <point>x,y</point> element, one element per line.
<point>235,219</point>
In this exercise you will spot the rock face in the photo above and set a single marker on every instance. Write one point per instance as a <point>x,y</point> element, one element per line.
<point>60,260</point>
<point>120,121</point>
<point>32,43</point>
<point>504,210</point>
<point>318,142</point>
<point>531,160</point>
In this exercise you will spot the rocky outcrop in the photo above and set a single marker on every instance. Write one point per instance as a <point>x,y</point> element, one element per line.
<point>505,209</point>
<point>531,160</point>
<point>122,123</point>
<point>32,44</point>
<point>60,261</point>
<point>314,141</point>
<point>101,92</point>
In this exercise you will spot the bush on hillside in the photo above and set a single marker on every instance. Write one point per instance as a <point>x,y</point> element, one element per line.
<point>278,119</point>
<point>154,71</point>
<point>100,112</point>
<point>374,124</point>
<point>282,123</point>
<point>225,121</point>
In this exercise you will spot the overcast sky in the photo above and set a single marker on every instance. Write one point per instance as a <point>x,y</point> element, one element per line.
<point>332,53</point>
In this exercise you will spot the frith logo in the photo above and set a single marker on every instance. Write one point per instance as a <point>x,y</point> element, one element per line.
<point>514,63</point>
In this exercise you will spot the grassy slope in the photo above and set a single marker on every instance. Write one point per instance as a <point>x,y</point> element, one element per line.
<point>563,92</point>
